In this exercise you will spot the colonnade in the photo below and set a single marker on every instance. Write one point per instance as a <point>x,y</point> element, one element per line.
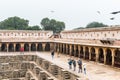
<point>15,47</point>
<point>100,54</point>
<point>105,55</point>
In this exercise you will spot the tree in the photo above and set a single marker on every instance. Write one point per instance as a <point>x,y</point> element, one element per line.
<point>78,28</point>
<point>36,27</point>
<point>45,23</point>
<point>95,25</point>
<point>14,23</point>
<point>55,26</point>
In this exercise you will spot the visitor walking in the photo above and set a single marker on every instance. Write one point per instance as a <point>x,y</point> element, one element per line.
<point>84,68</point>
<point>52,54</point>
<point>74,64</point>
<point>79,65</point>
<point>70,63</point>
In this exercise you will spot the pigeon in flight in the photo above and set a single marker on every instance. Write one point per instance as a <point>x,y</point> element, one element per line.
<point>115,12</point>
<point>112,18</point>
<point>98,12</point>
<point>51,11</point>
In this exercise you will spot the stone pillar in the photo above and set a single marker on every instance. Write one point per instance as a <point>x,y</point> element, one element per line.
<point>22,45</point>
<point>104,52</point>
<point>89,53</point>
<point>29,46</point>
<point>14,45</point>
<point>63,48</point>
<point>66,49</point>
<point>43,45</point>
<point>0,46</point>
<point>51,46</point>
<point>36,45</point>
<point>70,50</point>
<point>83,52</point>
<point>75,50</point>
<point>97,53</point>
<point>113,57</point>
<point>7,47</point>
<point>60,48</point>
<point>79,51</point>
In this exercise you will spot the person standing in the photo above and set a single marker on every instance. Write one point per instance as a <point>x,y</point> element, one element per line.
<point>70,63</point>
<point>79,65</point>
<point>52,54</point>
<point>84,68</point>
<point>74,64</point>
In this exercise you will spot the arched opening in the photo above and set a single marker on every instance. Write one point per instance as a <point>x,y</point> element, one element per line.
<point>72,54</point>
<point>93,55</point>
<point>11,47</point>
<point>68,49</point>
<point>76,54</point>
<point>39,47</point>
<point>81,52</point>
<point>33,47</point>
<point>62,49</point>
<point>4,47</point>
<point>117,58</point>
<point>101,56</point>
<point>108,57</point>
<point>18,46</point>
<point>47,47</point>
<point>86,53</point>
<point>26,47</point>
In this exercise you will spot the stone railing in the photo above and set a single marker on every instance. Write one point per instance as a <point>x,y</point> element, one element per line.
<point>32,39</point>
<point>77,41</point>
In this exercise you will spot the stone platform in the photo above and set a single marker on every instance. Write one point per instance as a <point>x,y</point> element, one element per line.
<point>53,69</point>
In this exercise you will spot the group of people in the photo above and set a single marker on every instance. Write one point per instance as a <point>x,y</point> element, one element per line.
<point>81,67</point>
<point>73,62</point>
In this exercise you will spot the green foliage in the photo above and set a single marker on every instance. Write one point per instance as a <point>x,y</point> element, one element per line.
<point>14,23</point>
<point>36,27</point>
<point>78,28</point>
<point>95,25</point>
<point>55,26</point>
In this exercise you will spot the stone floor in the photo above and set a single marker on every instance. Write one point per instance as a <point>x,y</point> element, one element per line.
<point>95,71</point>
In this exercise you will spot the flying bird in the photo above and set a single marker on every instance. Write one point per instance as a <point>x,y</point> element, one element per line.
<point>98,12</point>
<point>112,18</point>
<point>52,11</point>
<point>115,12</point>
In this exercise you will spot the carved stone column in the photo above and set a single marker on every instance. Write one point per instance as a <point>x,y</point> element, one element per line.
<point>0,46</point>
<point>66,49</point>
<point>14,45</point>
<point>75,51</point>
<point>22,45</point>
<point>104,52</point>
<point>70,50</point>
<point>7,47</point>
<point>36,46</point>
<point>29,46</point>
<point>83,52</point>
<point>113,57</point>
<point>79,51</point>
<point>97,53</point>
<point>89,53</point>
<point>43,45</point>
<point>63,49</point>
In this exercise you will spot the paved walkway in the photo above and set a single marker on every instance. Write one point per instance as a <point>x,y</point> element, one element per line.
<point>95,71</point>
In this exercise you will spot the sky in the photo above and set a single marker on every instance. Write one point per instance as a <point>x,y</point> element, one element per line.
<point>75,13</point>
